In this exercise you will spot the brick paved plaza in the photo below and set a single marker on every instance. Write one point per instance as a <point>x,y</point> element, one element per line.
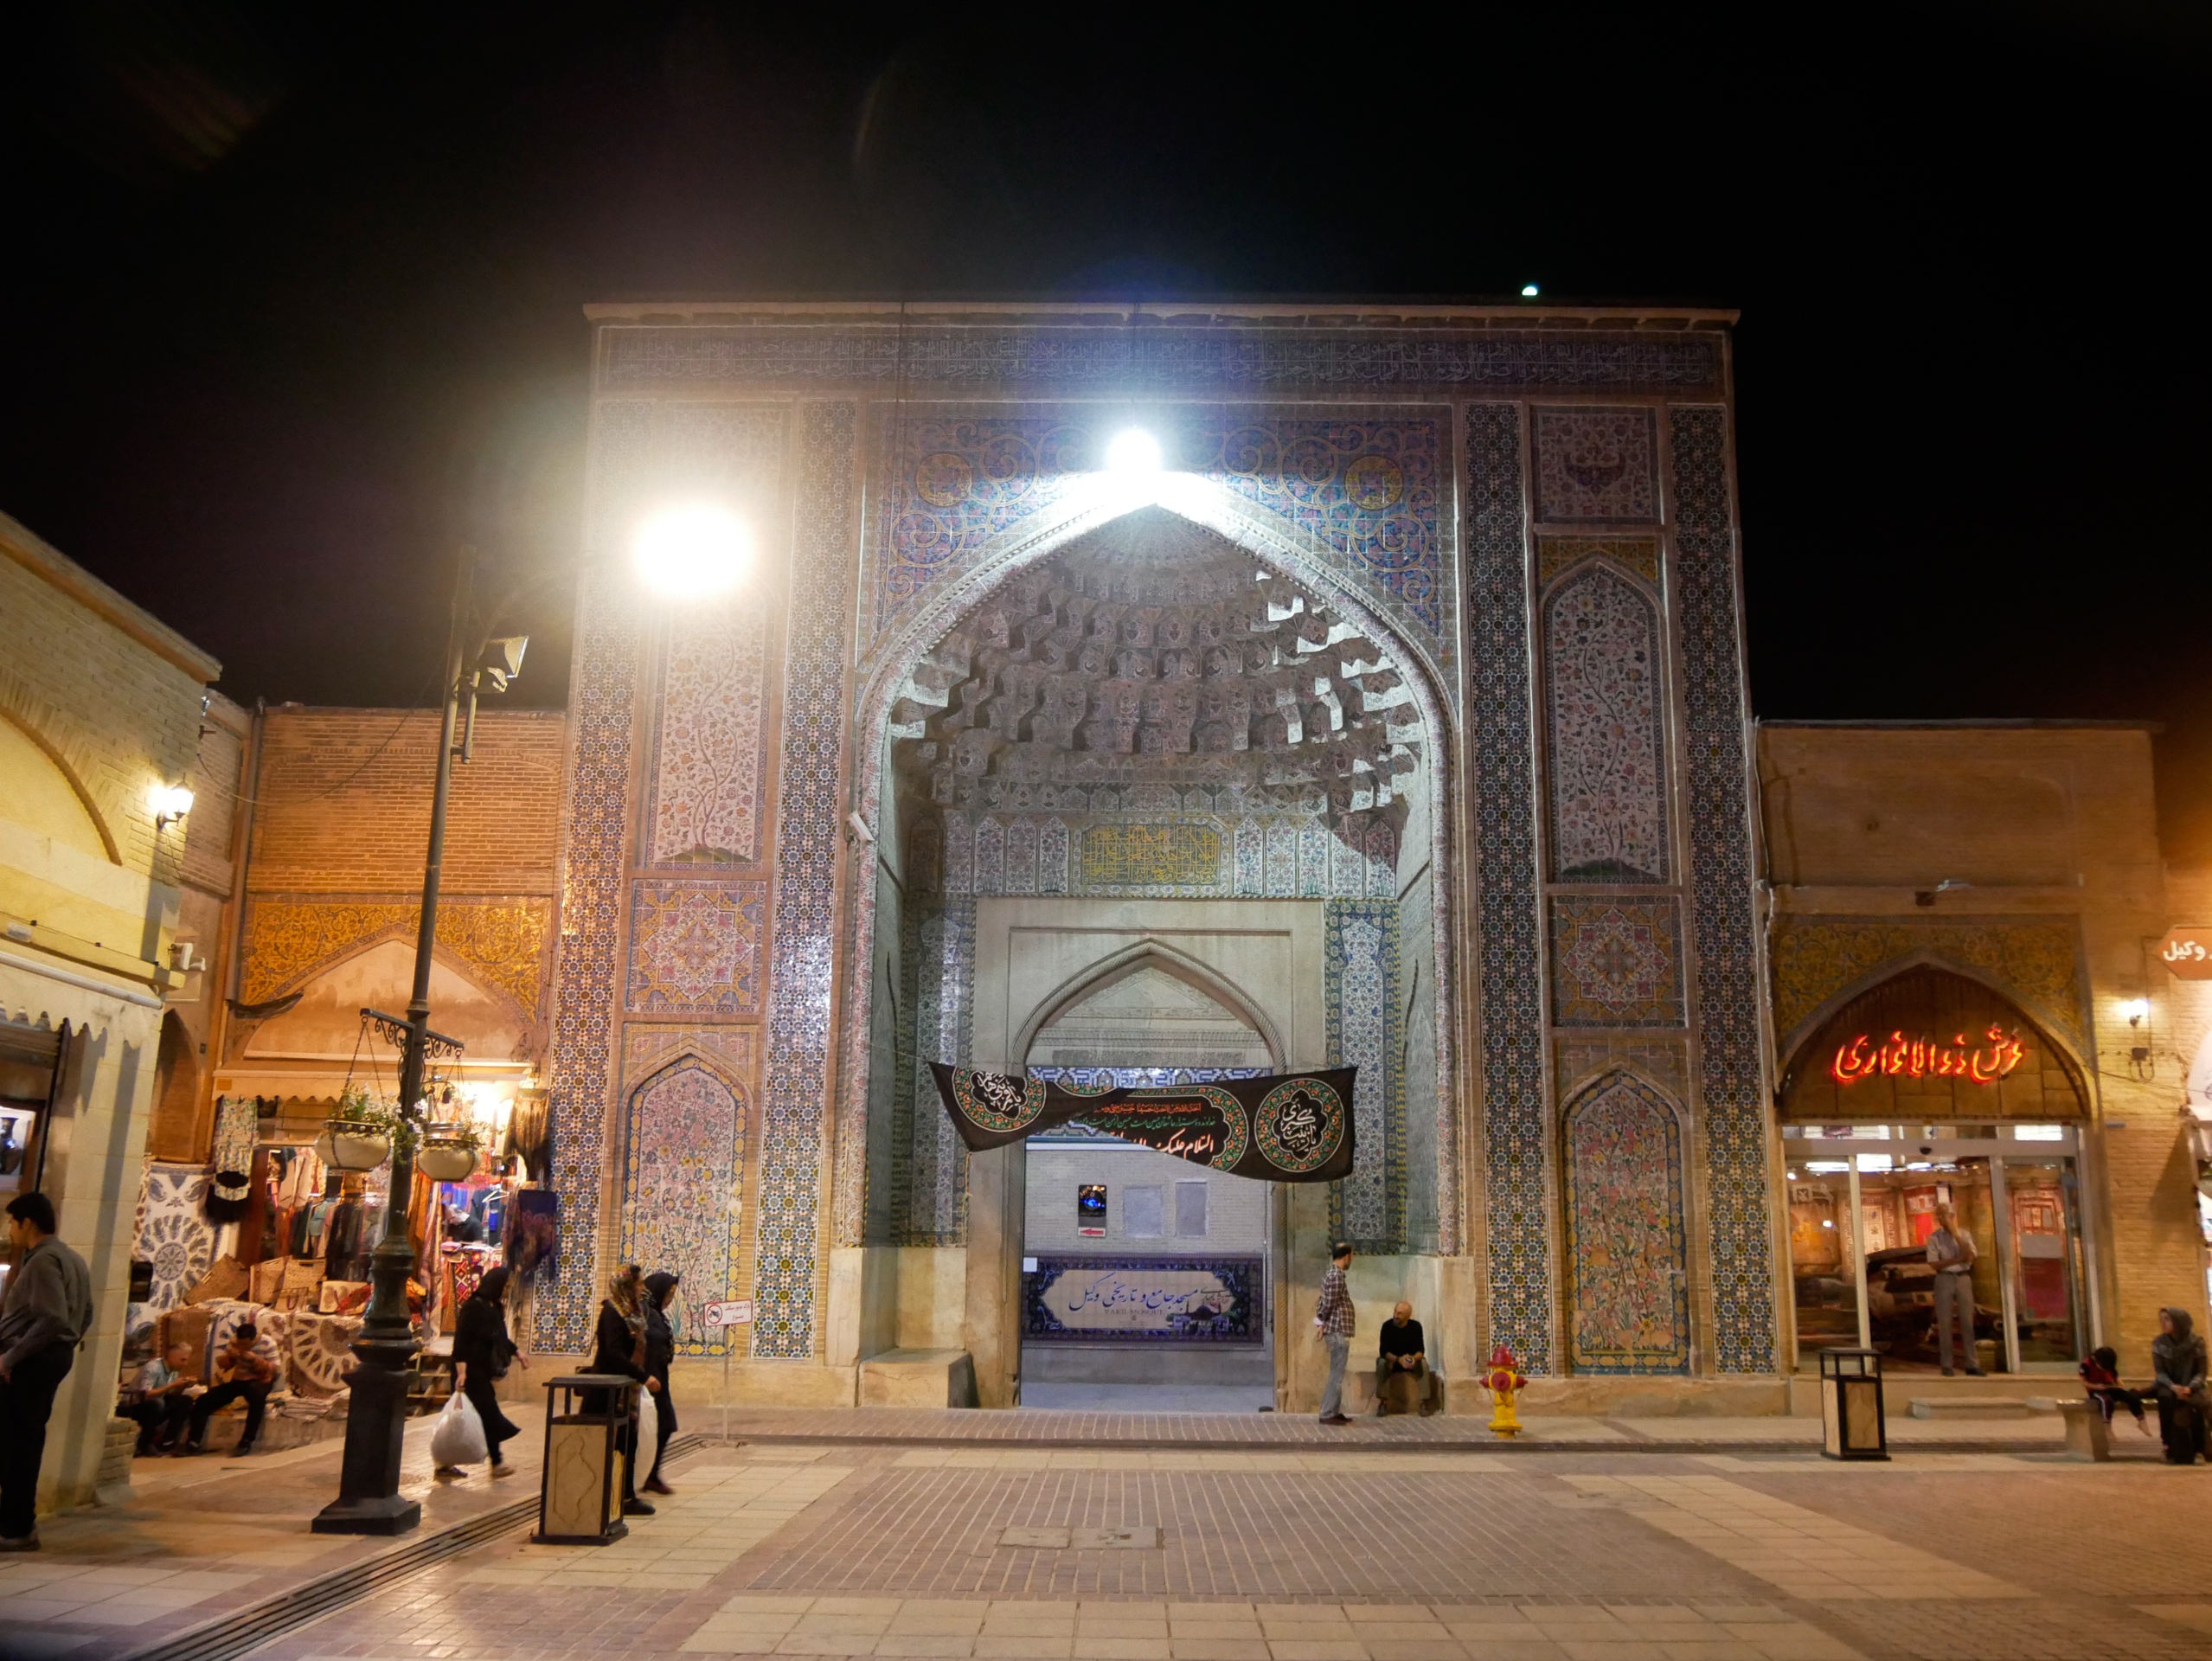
<point>1120,1551</point>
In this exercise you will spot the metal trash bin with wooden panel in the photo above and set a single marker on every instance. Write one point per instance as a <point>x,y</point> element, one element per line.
<point>579,1495</point>
<point>1852,1424</point>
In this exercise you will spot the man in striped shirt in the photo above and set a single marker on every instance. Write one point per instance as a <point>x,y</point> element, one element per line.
<point>1332,1323</point>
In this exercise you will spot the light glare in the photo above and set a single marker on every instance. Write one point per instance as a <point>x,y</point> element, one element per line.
<point>1528,291</point>
<point>1133,453</point>
<point>693,550</point>
<point>169,802</point>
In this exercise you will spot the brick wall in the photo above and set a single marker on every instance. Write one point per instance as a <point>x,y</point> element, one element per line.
<point>345,803</point>
<point>105,688</point>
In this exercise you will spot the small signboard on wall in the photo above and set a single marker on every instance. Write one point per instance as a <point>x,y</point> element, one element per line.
<point>735,1313</point>
<point>1090,1208</point>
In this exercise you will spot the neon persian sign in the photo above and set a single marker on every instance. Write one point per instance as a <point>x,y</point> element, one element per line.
<point>1899,1056</point>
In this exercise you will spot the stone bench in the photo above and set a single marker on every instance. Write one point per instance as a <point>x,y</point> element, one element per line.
<point>1970,1406</point>
<point>2087,1438</point>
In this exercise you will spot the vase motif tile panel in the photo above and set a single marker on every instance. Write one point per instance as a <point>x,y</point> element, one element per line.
<point>1595,465</point>
<point>1627,1244</point>
<point>1732,1087</point>
<point>682,1186</point>
<point>711,747</point>
<point>1606,754</point>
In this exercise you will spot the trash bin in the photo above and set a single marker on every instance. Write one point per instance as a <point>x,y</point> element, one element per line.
<point>580,1491</point>
<point>1851,1405</point>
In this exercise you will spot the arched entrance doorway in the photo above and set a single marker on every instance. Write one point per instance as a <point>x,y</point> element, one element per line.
<point>1932,1087</point>
<point>1144,1277</point>
<point>1149,742</point>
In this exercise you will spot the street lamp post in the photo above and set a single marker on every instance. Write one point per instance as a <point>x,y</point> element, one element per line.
<point>368,1499</point>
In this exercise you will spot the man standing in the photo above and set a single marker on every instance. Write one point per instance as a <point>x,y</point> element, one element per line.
<point>1332,1322</point>
<point>1950,1250</point>
<point>48,1311</point>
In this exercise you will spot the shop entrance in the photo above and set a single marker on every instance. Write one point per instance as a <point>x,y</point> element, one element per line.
<point>1932,1088</point>
<point>1862,1200</point>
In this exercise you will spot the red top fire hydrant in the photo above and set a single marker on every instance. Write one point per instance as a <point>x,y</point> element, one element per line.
<point>1504,1383</point>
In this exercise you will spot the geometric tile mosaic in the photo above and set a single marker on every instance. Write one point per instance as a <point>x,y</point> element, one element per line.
<point>1616,961</point>
<point>600,715</point>
<point>695,946</point>
<point>1627,1246</point>
<point>809,800</point>
<point>1504,811</point>
<point>1365,1006</point>
<point>1637,555</point>
<point>1732,1097</point>
<point>1596,464</point>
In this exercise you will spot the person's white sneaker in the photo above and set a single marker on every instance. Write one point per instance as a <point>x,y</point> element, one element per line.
<point>503,1469</point>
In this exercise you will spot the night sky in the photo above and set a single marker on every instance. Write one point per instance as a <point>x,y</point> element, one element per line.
<point>294,292</point>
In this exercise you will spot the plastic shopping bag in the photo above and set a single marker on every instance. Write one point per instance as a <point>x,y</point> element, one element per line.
<point>648,1417</point>
<point>459,1439</point>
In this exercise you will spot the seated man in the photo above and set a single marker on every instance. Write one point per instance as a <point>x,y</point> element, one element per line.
<point>246,1367</point>
<point>163,1401</point>
<point>1404,1381</point>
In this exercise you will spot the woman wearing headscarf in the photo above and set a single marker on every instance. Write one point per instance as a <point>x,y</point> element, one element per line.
<point>660,1350</point>
<point>483,1350</point>
<point>2177,1361</point>
<point>618,1347</point>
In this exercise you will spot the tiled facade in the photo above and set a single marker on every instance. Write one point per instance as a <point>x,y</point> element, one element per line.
<point>1595,664</point>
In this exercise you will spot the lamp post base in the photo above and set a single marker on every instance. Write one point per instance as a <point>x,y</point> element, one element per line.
<point>368,1499</point>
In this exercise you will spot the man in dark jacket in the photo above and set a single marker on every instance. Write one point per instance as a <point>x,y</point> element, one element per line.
<point>660,1350</point>
<point>48,1311</point>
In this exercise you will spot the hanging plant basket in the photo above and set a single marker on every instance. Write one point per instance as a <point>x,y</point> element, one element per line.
<point>445,1161</point>
<point>358,1144</point>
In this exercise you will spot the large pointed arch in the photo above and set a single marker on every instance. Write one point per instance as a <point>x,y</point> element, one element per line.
<point>1119,965</point>
<point>889,669</point>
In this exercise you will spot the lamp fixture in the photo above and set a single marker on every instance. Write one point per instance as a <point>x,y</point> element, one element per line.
<point>1132,452</point>
<point>1529,291</point>
<point>2135,1009</point>
<point>693,550</point>
<point>170,803</point>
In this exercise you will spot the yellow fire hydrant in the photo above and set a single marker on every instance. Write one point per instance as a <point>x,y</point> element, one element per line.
<point>1505,1384</point>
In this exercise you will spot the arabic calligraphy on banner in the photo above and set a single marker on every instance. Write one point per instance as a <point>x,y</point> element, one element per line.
<point>1200,1300</point>
<point>1898,1056</point>
<point>2186,953</point>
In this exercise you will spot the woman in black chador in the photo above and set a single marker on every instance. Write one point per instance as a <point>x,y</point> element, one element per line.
<point>483,1351</point>
<point>660,1350</point>
<point>618,1347</point>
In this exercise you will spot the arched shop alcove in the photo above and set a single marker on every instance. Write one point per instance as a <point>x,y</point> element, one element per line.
<point>1932,1086</point>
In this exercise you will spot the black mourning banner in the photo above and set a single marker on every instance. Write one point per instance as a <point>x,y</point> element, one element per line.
<point>1291,1128</point>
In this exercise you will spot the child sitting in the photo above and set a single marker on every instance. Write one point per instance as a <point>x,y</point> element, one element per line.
<point>2101,1377</point>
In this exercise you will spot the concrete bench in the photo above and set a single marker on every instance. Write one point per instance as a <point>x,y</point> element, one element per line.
<point>2087,1437</point>
<point>1970,1406</point>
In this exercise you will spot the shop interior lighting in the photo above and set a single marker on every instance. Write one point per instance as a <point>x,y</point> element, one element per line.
<point>1875,1162</point>
<point>693,550</point>
<point>1132,453</point>
<point>170,803</point>
<point>2039,1133</point>
<point>1827,1167</point>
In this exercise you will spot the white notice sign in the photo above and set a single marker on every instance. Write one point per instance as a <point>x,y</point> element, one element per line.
<point>730,1314</point>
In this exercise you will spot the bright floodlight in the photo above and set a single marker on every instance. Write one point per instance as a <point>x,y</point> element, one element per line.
<point>1528,291</point>
<point>692,550</point>
<point>1132,452</point>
